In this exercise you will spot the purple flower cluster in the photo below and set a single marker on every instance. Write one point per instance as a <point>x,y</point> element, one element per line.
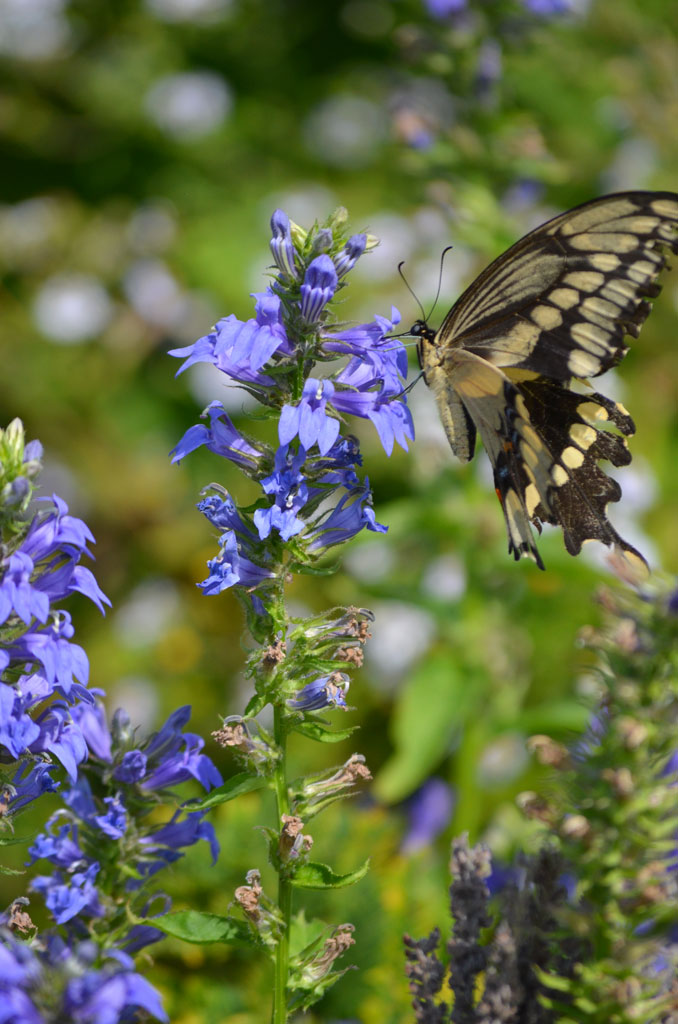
<point>312,496</point>
<point>101,845</point>
<point>44,674</point>
<point>81,984</point>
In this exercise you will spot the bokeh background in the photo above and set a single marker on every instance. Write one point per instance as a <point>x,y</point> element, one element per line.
<point>145,144</point>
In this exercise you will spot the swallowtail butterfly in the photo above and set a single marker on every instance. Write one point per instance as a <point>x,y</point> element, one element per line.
<point>551,311</point>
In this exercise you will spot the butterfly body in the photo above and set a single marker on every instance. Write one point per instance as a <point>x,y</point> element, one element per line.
<point>549,313</point>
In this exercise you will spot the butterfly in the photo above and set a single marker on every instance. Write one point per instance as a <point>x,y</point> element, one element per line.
<point>512,359</point>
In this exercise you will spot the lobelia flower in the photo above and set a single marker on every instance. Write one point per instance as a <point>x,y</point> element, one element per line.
<point>221,437</point>
<point>231,567</point>
<point>282,245</point>
<point>351,253</point>
<point>41,567</point>
<point>81,984</point>
<point>353,512</point>
<point>320,284</point>
<point>289,486</point>
<point>128,783</point>
<point>240,348</point>
<point>326,691</point>
<point>308,419</point>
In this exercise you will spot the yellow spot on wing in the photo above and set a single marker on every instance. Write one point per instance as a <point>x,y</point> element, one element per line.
<point>546,317</point>
<point>583,435</point>
<point>584,280</point>
<point>572,458</point>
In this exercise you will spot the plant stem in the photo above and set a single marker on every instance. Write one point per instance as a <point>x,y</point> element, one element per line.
<point>284,887</point>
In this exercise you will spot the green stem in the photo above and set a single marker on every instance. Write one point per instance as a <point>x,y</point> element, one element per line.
<point>282,950</point>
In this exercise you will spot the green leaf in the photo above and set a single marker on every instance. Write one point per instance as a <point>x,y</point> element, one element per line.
<point>314,570</point>
<point>202,928</point>
<point>4,870</point>
<point>256,703</point>
<point>433,705</point>
<point>317,731</point>
<point>305,935</point>
<point>236,786</point>
<point>319,876</point>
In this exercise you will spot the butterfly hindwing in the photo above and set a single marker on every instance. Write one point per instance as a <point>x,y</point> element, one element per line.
<point>555,306</point>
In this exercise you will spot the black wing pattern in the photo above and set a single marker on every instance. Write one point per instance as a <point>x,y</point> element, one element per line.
<point>556,306</point>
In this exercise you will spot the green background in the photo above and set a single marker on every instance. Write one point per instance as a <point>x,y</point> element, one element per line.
<point>159,222</point>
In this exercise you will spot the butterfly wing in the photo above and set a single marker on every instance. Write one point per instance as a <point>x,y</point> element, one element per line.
<point>560,301</point>
<point>554,306</point>
<point>545,466</point>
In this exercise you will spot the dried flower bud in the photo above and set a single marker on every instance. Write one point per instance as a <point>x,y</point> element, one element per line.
<point>621,781</point>
<point>339,941</point>
<point>575,826</point>
<point>548,752</point>
<point>534,806</point>
<point>273,655</point>
<point>632,732</point>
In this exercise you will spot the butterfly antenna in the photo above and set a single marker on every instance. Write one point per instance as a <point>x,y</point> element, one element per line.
<point>440,279</point>
<point>409,288</point>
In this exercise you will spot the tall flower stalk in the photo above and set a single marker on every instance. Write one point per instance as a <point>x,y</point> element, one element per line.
<point>311,373</point>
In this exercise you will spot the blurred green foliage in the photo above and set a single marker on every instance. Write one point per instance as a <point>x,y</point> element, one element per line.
<point>135,213</point>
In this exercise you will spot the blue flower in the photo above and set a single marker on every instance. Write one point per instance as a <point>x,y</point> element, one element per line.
<point>132,768</point>
<point>173,756</point>
<point>429,811</point>
<point>65,983</point>
<point>350,254</point>
<point>308,419</point>
<point>16,593</point>
<point>61,849</point>
<point>114,822</point>
<point>324,692</point>
<point>387,357</point>
<point>282,245</point>
<point>62,662</point>
<point>320,284</point>
<point>231,567</point>
<point>30,780</point>
<point>353,513</point>
<point>222,513</point>
<point>546,8</point>
<point>221,437</point>
<point>162,846</point>
<point>240,348</point>
<point>289,486</point>
<point>66,899</point>
<point>443,8</point>
<point>45,567</point>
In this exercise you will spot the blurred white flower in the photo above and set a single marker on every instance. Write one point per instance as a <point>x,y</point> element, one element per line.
<point>69,308</point>
<point>151,228</point>
<point>371,560</point>
<point>189,104</point>
<point>202,11</point>
<point>502,760</point>
<point>401,633</point>
<point>139,697</point>
<point>33,29</point>
<point>147,614</point>
<point>445,578</point>
<point>154,293</point>
<point>304,204</point>
<point>346,130</point>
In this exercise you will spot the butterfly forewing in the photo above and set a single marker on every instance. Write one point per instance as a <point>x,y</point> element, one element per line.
<point>561,300</point>
<point>557,305</point>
